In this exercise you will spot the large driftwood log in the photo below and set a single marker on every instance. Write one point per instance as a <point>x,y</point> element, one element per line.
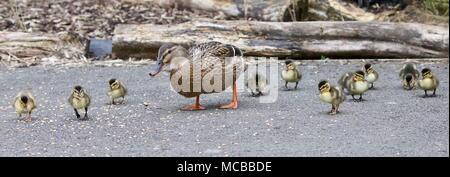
<point>23,46</point>
<point>290,39</point>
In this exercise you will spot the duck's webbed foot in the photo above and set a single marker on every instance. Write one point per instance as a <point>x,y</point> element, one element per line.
<point>234,102</point>
<point>232,105</point>
<point>194,107</point>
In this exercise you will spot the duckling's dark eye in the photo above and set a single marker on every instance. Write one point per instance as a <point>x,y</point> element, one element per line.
<point>169,51</point>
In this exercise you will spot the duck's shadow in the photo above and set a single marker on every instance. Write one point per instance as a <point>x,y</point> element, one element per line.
<point>429,96</point>
<point>289,89</point>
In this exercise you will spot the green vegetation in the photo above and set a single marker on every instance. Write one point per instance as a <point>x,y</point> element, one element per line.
<point>437,7</point>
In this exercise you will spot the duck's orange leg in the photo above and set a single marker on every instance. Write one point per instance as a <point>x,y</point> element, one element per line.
<point>195,106</point>
<point>234,102</point>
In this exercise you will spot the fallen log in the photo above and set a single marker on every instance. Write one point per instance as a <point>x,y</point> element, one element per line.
<point>298,40</point>
<point>23,46</point>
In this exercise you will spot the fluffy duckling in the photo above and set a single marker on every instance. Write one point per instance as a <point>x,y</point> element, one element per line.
<point>79,99</point>
<point>291,74</point>
<point>116,90</point>
<point>371,74</point>
<point>355,84</point>
<point>257,84</point>
<point>24,104</point>
<point>429,82</point>
<point>409,76</point>
<point>331,94</point>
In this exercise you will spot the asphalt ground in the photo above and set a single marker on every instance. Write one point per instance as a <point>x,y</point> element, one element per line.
<point>390,122</point>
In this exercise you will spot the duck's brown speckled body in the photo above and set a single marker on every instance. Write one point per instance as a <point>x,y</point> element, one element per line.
<point>203,64</point>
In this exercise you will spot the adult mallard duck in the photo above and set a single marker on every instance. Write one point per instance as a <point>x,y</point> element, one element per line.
<point>205,68</point>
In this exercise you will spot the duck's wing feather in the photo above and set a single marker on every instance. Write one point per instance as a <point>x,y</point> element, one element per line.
<point>212,55</point>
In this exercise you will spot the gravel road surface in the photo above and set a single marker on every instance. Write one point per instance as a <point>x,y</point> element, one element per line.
<point>391,122</point>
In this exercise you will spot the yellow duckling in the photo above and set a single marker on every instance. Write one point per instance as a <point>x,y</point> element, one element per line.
<point>116,90</point>
<point>291,74</point>
<point>429,82</point>
<point>331,94</point>
<point>355,84</point>
<point>24,103</point>
<point>409,76</point>
<point>257,84</point>
<point>79,99</point>
<point>205,68</point>
<point>371,74</point>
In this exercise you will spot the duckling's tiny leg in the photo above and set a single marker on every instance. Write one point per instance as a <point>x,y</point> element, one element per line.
<point>360,98</point>
<point>195,106</point>
<point>260,93</point>
<point>353,97</point>
<point>333,109</point>
<point>426,94</point>
<point>29,117</point>
<point>296,83</point>
<point>85,113</point>
<point>434,92</point>
<point>285,85</point>
<point>234,102</point>
<point>371,85</point>
<point>337,108</point>
<point>76,113</point>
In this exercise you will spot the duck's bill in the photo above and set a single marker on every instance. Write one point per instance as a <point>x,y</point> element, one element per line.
<point>156,69</point>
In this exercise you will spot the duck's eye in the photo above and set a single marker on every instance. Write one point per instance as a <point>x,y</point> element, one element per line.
<point>169,51</point>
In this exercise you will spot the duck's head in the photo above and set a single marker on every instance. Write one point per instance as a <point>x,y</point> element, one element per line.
<point>114,84</point>
<point>324,86</point>
<point>426,73</point>
<point>408,78</point>
<point>290,65</point>
<point>23,100</point>
<point>167,55</point>
<point>78,92</point>
<point>359,75</point>
<point>368,68</point>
